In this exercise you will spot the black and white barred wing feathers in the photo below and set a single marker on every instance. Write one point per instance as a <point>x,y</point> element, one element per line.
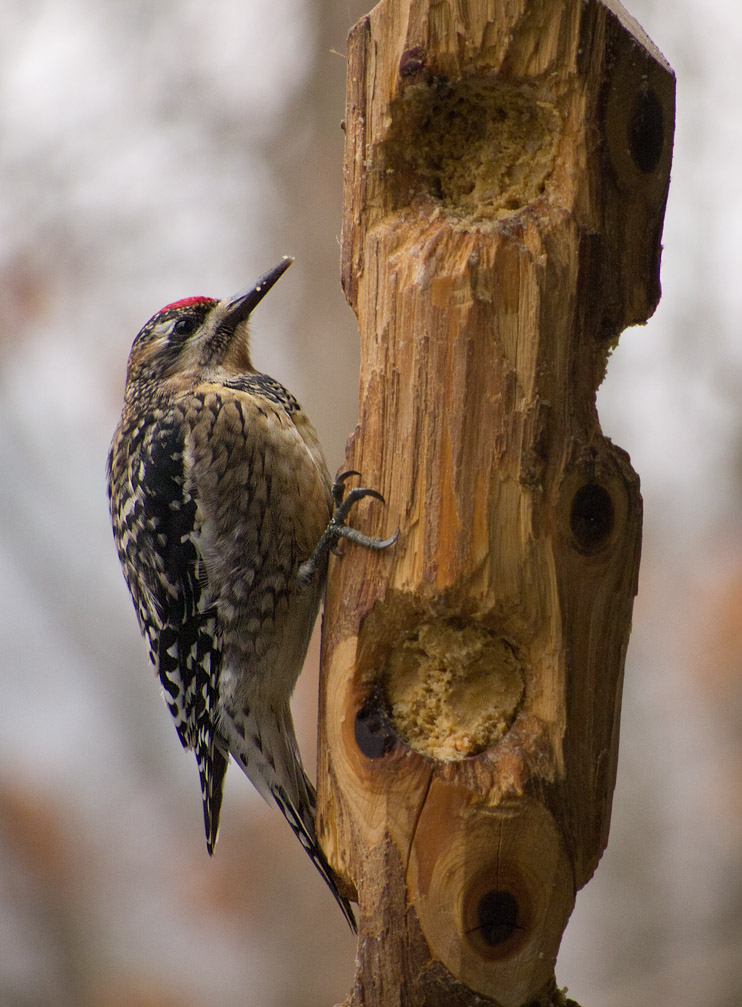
<point>155,516</point>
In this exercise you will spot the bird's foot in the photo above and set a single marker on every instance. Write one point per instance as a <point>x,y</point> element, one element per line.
<point>337,529</point>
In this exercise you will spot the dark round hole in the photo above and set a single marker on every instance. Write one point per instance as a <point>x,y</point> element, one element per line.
<point>592,516</point>
<point>497,917</point>
<point>646,131</point>
<point>373,734</point>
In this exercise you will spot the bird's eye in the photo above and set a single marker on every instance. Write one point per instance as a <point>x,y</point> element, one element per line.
<point>184,326</point>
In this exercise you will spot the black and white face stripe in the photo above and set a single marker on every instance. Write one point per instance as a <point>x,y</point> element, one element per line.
<point>161,340</point>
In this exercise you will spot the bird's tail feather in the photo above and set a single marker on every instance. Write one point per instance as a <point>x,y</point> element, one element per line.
<point>212,768</point>
<point>308,840</point>
<point>269,756</point>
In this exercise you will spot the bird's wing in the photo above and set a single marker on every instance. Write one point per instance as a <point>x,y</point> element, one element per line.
<point>164,569</point>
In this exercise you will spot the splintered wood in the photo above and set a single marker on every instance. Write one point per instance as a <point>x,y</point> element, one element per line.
<point>506,174</point>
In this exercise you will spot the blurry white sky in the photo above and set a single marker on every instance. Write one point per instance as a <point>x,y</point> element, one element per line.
<point>145,157</point>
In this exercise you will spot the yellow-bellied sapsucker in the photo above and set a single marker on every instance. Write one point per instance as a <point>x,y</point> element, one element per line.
<point>223,516</point>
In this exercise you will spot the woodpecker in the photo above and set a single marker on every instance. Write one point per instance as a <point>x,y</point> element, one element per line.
<point>223,514</point>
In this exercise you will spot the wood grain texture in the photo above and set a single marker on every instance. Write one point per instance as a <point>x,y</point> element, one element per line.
<point>506,175</point>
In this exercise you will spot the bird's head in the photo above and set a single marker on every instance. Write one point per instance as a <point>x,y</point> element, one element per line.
<point>199,334</point>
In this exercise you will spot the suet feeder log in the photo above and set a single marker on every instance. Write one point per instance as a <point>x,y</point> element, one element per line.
<point>506,173</point>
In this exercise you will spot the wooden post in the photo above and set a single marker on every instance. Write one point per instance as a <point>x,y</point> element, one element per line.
<point>507,167</point>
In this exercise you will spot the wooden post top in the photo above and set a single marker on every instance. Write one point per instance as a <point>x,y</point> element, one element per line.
<point>506,168</point>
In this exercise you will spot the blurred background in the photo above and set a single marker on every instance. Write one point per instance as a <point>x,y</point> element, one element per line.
<point>153,150</point>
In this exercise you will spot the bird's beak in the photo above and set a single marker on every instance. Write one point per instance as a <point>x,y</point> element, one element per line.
<point>240,306</point>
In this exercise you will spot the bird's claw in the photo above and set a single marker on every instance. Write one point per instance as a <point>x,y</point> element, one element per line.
<point>338,487</point>
<point>337,529</point>
<point>343,504</point>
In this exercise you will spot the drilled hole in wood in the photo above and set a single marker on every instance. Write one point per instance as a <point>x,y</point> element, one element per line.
<point>373,734</point>
<point>497,917</point>
<point>592,516</point>
<point>646,131</point>
<point>483,148</point>
<point>452,688</point>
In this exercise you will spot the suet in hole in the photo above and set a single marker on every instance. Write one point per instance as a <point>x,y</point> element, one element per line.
<point>483,148</point>
<point>452,688</point>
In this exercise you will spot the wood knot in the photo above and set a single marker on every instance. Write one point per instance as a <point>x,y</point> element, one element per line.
<point>412,61</point>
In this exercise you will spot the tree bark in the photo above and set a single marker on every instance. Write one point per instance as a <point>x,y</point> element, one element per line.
<point>506,173</point>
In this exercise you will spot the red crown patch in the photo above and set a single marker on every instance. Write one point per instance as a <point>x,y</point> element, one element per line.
<point>186,302</point>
